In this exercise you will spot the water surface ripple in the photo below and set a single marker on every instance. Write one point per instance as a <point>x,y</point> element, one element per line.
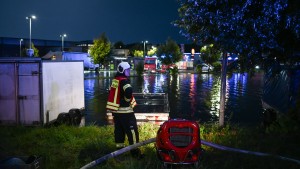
<point>191,96</point>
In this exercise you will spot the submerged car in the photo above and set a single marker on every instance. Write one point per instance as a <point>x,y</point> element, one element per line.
<point>204,67</point>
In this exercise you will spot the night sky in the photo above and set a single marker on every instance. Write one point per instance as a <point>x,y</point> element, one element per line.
<point>129,21</point>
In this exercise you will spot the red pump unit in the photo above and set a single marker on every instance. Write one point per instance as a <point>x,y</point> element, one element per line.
<point>178,142</point>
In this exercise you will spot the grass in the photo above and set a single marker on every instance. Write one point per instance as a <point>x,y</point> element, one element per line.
<point>72,147</point>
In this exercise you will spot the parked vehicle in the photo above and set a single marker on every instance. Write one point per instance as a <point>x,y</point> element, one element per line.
<point>150,64</point>
<point>207,67</point>
<point>165,68</point>
<point>87,60</point>
<point>204,67</point>
<point>73,56</point>
<point>153,65</point>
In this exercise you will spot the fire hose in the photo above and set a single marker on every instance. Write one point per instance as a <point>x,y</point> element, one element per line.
<point>118,152</point>
<point>220,147</point>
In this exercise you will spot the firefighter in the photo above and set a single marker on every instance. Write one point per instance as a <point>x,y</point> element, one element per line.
<point>121,103</point>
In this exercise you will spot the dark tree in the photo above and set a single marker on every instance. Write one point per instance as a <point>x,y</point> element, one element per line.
<point>169,53</point>
<point>101,49</point>
<point>247,27</point>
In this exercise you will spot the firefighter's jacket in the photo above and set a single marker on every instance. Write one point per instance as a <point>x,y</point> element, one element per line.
<point>120,98</point>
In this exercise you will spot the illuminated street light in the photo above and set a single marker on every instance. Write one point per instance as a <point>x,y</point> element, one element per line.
<point>62,41</point>
<point>21,40</point>
<point>30,51</point>
<point>144,47</point>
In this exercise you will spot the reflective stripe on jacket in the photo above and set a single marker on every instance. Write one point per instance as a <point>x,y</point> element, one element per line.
<point>113,101</point>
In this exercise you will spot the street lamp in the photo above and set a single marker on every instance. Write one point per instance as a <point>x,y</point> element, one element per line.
<point>30,51</point>
<point>21,40</point>
<point>144,46</point>
<point>62,41</point>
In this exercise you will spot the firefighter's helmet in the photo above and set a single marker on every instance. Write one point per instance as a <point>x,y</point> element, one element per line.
<point>123,66</point>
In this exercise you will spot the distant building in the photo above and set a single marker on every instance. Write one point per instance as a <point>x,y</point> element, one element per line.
<point>15,47</point>
<point>12,47</point>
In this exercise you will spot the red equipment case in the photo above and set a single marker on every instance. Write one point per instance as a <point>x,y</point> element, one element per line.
<point>178,142</point>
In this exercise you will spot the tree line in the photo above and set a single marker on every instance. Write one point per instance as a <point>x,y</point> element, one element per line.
<point>168,53</point>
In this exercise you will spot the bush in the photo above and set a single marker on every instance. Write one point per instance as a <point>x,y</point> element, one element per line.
<point>217,66</point>
<point>139,68</point>
<point>198,68</point>
<point>173,70</point>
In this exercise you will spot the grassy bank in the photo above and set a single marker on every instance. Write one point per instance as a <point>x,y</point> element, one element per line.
<point>72,147</point>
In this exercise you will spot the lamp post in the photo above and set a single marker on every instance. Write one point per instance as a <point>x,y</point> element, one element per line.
<point>21,47</point>
<point>144,46</point>
<point>62,41</point>
<point>30,51</point>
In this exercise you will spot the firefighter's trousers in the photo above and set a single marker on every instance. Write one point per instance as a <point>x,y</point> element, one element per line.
<point>125,124</point>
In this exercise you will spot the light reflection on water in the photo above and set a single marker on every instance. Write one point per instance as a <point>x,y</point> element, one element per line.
<point>191,96</point>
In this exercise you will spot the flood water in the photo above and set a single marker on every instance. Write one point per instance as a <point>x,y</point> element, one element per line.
<point>191,96</point>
